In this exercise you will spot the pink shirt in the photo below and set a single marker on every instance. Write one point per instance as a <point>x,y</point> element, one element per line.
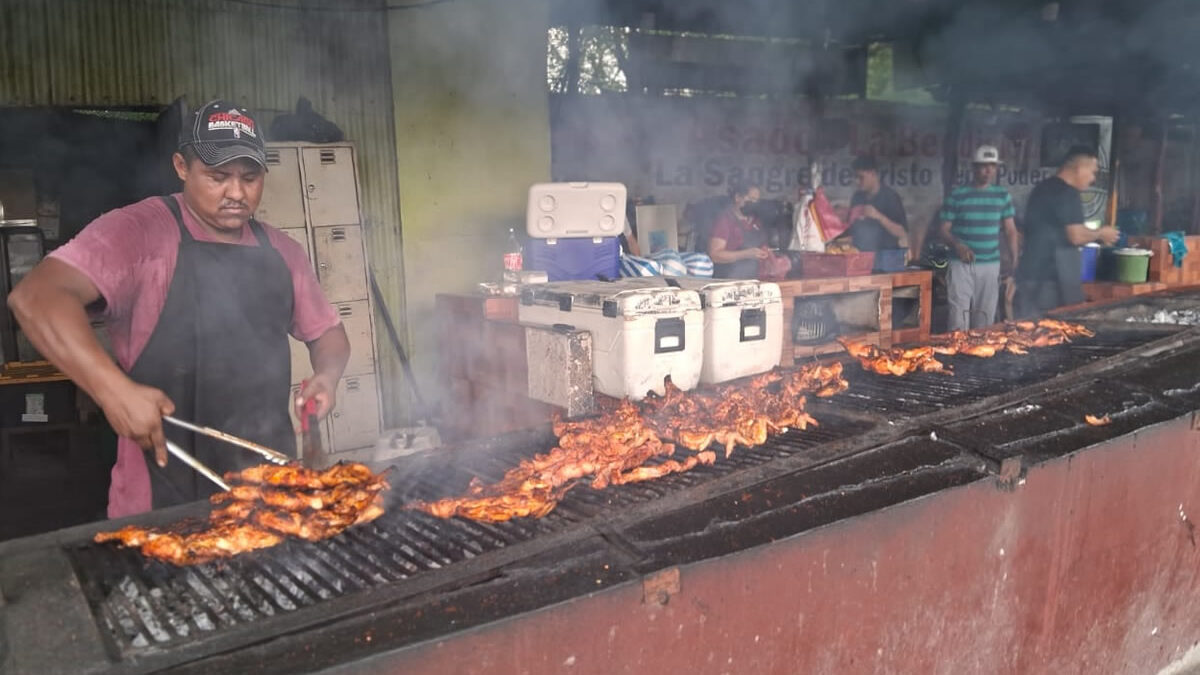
<point>732,229</point>
<point>129,254</point>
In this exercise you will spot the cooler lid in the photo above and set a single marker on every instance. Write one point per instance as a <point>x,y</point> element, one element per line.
<point>613,298</point>
<point>729,292</point>
<point>564,210</point>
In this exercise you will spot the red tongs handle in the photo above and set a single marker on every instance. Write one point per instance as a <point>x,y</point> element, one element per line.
<point>309,411</point>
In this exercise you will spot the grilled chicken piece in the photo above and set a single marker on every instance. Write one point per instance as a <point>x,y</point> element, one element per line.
<point>294,476</point>
<point>260,512</point>
<point>131,536</point>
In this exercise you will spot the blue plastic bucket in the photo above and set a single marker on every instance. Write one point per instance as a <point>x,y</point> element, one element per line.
<point>1088,256</point>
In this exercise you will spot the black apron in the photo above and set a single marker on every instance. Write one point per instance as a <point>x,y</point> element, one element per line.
<point>743,269</point>
<point>1068,268</point>
<point>220,352</point>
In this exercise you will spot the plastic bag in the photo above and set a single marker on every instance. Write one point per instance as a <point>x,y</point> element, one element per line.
<point>774,267</point>
<point>806,236</point>
<point>830,225</point>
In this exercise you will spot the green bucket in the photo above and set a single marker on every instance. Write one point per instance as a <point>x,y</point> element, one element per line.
<point>1133,265</point>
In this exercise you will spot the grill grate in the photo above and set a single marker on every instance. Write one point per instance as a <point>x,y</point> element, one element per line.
<point>975,379</point>
<point>144,607</point>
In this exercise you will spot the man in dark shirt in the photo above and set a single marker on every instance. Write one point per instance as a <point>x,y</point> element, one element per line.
<point>877,218</point>
<point>1049,274</point>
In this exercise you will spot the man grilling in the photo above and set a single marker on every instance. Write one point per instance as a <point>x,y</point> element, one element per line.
<point>973,218</point>
<point>1050,272</point>
<point>877,218</point>
<point>199,299</point>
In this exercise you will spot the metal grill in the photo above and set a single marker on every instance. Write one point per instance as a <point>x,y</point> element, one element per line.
<point>143,605</point>
<point>975,379</point>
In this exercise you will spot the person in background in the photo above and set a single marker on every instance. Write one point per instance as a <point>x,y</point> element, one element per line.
<point>739,243</point>
<point>1050,269</point>
<point>877,218</point>
<point>972,220</point>
<point>199,299</point>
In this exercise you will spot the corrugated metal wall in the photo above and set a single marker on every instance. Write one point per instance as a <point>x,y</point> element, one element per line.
<point>262,54</point>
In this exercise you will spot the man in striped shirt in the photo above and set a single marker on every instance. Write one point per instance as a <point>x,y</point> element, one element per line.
<point>973,218</point>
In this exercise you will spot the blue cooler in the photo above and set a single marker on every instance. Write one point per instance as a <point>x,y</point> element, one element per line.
<point>572,258</point>
<point>1089,257</point>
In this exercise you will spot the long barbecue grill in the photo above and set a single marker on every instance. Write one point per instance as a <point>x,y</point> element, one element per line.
<point>73,606</point>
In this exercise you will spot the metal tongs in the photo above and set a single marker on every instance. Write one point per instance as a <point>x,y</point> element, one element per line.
<point>196,464</point>
<point>266,453</point>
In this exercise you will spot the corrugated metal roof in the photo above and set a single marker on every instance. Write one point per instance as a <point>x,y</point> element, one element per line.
<point>265,56</point>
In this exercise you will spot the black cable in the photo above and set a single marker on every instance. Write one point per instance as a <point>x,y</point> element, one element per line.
<point>275,5</point>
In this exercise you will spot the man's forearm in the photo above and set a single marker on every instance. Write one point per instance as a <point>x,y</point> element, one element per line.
<point>329,353</point>
<point>57,325</point>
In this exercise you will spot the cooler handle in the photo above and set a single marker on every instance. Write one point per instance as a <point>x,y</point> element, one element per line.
<point>668,336</point>
<point>754,324</point>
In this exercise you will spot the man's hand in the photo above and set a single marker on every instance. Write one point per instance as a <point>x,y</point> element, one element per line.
<point>135,411</point>
<point>964,252</point>
<point>760,253</point>
<point>1108,235</point>
<point>320,389</point>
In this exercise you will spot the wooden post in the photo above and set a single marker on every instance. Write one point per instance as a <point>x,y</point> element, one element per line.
<point>1114,173</point>
<point>1159,167</point>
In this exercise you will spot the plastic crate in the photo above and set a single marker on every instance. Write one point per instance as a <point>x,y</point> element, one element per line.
<point>817,265</point>
<point>890,260</point>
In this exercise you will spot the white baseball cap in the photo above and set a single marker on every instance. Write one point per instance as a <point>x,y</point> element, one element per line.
<point>986,154</point>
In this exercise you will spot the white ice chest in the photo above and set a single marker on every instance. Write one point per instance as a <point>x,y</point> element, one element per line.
<point>640,334</point>
<point>743,325</point>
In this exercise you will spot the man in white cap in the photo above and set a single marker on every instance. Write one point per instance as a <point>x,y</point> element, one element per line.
<point>199,299</point>
<point>972,221</point>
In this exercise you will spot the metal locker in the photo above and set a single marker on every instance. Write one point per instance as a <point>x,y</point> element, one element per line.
<point>301,363</point>
<point>295,391</point>
<point>356,318</point>
<point>282,202</point>
<point>300,234</point>
<point>330,186</point>
<point>354,423</point>
<point>341,268</point>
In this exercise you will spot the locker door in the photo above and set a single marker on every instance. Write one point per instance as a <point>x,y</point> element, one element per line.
<point>282,202</point>
<point>300,234</point>
<point>356,318</point>
<point>341,269</point>
<point>329,186</point>
<point>354,423</point>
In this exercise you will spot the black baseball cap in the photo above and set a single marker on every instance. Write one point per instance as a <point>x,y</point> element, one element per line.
<point>220,132</point>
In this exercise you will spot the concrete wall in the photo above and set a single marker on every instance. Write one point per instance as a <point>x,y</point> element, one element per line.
<point>472,134</point>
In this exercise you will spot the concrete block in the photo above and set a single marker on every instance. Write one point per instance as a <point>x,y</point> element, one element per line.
<point>560,368</point>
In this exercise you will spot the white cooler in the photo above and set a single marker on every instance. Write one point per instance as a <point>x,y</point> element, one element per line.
<point>640,334</point>
<point>743,325</point>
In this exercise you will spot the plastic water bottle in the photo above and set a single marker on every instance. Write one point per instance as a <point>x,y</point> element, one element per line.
<point>513,260</point>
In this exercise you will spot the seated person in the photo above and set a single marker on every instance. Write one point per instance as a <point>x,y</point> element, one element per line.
<point>738,245</point>
<point>877,218</point>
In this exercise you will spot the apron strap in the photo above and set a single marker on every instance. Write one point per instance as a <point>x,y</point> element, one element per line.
<point>173,206</point>
<point>259,233</point>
